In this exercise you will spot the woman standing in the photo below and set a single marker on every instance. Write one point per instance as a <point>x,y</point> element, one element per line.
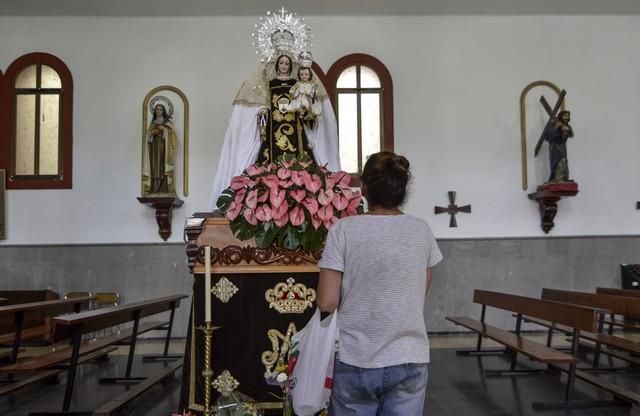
<point>376,269</point>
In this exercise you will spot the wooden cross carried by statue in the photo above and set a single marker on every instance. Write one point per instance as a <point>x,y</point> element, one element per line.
<point>552,116</point>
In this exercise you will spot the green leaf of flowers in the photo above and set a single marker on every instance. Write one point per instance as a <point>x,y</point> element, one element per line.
<point>242,229</point>
<point>312,240</point>
<point>225,199</point>
<point>290,238</point>
<point>265,235</point>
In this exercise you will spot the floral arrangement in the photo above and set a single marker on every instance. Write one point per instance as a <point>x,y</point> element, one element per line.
<point>280,376</point>
<point>291,204</point>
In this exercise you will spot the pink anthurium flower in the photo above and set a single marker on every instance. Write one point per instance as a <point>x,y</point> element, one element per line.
<point>263,197</point>
<point>284,173</point>
<point>312,183</point>
<point>343,178</point>
<point>339,202</point>
<point>325,213</point>
<point>270,180</point>
<point>347,193</point>
<point>250,216</point>
<point>352,208</point>
<point>325,197</point>
<point>296,178</point>
<point>252,199</point>
<point>296,216</point>
<point>263,213</point>
<point>238,182</point>
<point>298,195</point>
<point>240,196</point>
<point>311,205</point>
<point>255,170</point>
<point>329,182</point>
<point>276,197</point>
<point>281,221</point>
<point>233,211</point>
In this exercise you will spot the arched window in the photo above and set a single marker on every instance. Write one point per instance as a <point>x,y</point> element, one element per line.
<point>36,138</point>
<point>362,91</point>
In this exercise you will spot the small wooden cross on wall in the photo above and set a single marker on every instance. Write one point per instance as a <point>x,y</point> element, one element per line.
<point>452,209</point>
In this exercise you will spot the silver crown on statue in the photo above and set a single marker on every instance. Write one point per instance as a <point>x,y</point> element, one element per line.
<point>281,33</point>
<point>282,42</point>
<point>305,59</point>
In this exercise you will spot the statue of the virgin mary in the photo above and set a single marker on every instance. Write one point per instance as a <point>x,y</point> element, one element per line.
<point>264,127</point>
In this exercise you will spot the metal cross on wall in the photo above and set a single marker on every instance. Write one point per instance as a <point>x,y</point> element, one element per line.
<point>452,209</point>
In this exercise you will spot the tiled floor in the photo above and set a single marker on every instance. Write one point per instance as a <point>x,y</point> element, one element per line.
<point>457,386</point>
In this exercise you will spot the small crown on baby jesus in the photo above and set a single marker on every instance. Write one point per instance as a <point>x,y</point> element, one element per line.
<point>306,59</point>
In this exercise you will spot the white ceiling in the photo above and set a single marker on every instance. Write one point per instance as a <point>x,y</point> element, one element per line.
<point>312,7</point>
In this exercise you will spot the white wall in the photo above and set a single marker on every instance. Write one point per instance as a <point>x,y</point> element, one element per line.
<point>457,81</point>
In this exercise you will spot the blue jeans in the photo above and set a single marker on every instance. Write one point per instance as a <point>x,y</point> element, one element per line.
<point>398,390</point>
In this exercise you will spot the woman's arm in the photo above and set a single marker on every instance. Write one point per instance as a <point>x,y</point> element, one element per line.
<point>428,280</point>
<point>329,290</point>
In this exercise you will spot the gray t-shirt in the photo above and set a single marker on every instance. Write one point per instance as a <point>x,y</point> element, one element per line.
<point>384,261</point>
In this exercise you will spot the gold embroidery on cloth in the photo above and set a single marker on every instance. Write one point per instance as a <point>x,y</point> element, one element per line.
<point>225,383</point>
<point>277,357</point>
<point>290,297</point>
<point>224,289</point>
<point>282,137</point>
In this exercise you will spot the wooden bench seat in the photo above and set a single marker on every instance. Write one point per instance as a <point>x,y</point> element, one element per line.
<point>47,374</point>
<point>76,325</point>
<point>63,355</point>
<point>619,343</point>
<point>634,293</point>
<point>25,320</point>
<point>43,331</point>
<point>626,322</point>
<point>517,343</point>
<point>576,317</point>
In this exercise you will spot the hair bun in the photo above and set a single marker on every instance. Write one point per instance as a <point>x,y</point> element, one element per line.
<point>401,163</point>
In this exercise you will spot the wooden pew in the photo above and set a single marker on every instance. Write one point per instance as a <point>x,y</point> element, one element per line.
<point>617,305</point>
<point>627,322</point>
<point>633,293</point>
<point>579,318</point>
<point>15,297</point>
<point>75,325</point>
<point>20,322</point>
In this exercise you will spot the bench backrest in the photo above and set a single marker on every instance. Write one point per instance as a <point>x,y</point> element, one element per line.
<point>632,293</point>
<point>579,317</point>
<point>35,313</point>
<point>27,296</point>
<point>619,305</point>
<point>98,319</point>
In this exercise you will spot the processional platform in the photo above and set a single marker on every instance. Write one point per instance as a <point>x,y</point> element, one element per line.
<point>259,298</point>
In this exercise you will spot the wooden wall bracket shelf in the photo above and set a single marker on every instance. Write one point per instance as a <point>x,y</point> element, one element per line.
<point>164,206</point>
<point>547,197</point>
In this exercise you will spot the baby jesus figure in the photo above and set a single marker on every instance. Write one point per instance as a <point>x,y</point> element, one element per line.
<point>303,95</point>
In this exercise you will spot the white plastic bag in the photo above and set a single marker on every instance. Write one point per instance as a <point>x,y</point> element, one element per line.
<point>313,352</point>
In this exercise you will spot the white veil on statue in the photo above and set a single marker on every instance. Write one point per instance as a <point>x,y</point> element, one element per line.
<point>280,33</point>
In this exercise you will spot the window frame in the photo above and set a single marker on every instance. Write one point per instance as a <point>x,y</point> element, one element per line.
<point>8,104</point>
<point>386,99</point>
